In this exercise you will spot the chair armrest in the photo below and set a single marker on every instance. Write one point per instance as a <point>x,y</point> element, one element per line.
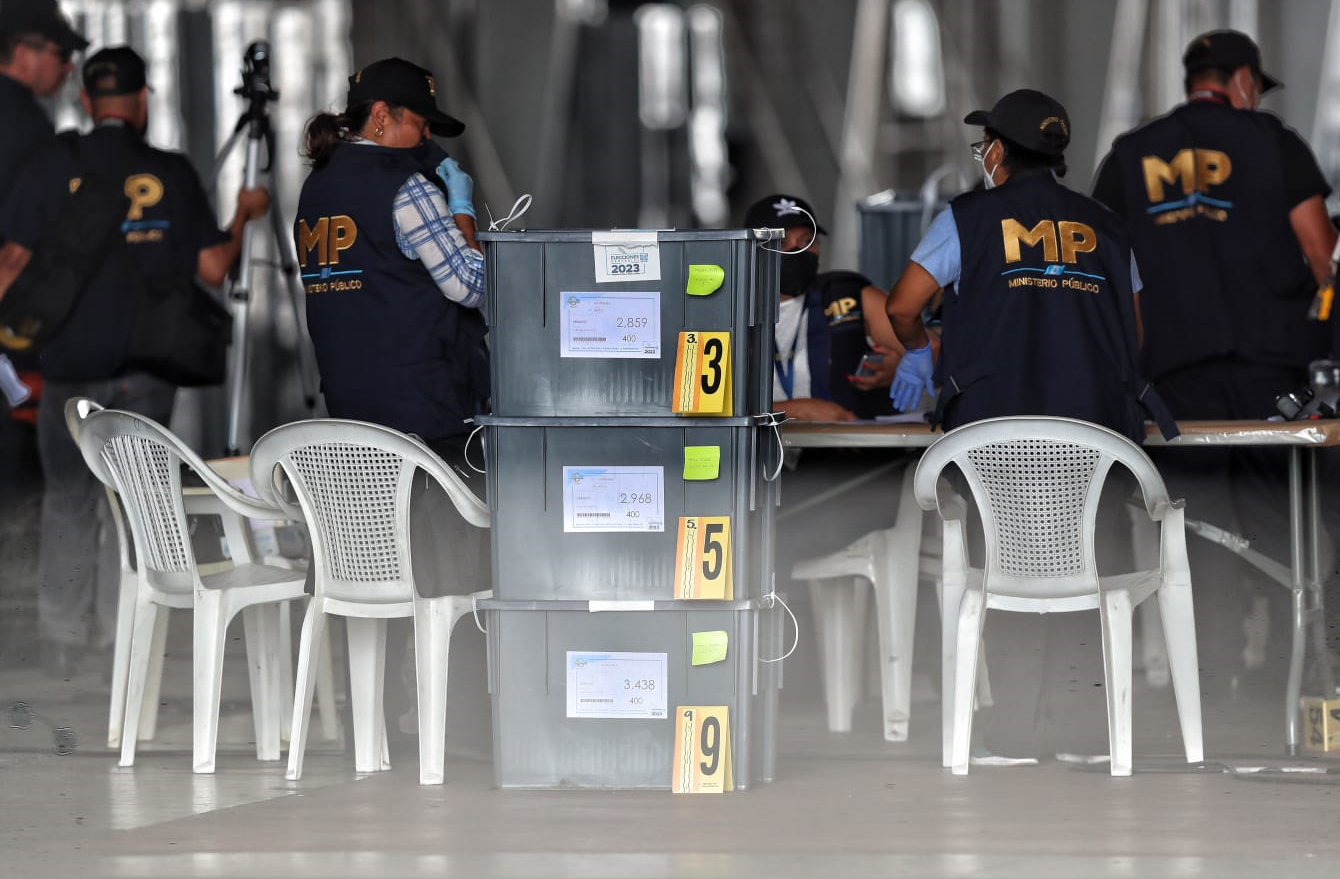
<point>950,503</point>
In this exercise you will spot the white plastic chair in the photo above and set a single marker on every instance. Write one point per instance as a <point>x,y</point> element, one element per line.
<point>76,410</point>
<point>892,561</point>
<point>352,481</point>
<point>1036,483</point>
<point>142,461</point>
<point>197,501</point>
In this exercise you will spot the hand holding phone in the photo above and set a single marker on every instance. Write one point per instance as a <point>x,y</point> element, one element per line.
<point>868,363</point>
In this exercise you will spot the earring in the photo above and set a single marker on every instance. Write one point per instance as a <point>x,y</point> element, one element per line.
<point>378,131</point>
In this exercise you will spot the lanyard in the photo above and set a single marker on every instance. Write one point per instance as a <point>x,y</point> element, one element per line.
<point>785,364</point>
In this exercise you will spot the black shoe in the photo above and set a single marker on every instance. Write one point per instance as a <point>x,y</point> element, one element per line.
<point>61,660</point>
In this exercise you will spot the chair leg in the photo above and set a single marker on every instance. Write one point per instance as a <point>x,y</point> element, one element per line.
<point>284,670</point>
<point>125,624</point>
<point>208,640</point>
<point>839,630</point>
<point>325,693</point>
<point>897,565</point>
<point>367,667</point>
<point>264,667</point>
<point>153,684</point>
<point>1179,630</point>
<point>313,629</point>
<point>1115,613</point>
<point>951,597</point>
<point>970,619</point>
<point>141,641</point>
<point>433,622</point>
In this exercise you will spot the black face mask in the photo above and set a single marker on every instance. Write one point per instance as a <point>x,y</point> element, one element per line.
<point>798,269</point>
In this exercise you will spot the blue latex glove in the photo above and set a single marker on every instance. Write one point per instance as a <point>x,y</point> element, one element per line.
<point>460,187</point>
<point>912,376</point>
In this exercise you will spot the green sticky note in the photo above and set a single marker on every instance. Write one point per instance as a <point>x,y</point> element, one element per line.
<point>709,647</point>
<point>702,462</point>
<point>705,279</point>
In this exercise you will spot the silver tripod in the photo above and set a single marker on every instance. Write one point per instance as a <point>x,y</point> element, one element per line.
<point>255,124</point>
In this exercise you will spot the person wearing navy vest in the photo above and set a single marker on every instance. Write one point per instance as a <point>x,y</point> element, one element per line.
<point>385,234</point>
<point>393,301</point>
<point>827,322</point>
<point>1039,317</point>
<point>1040,314</point>
<point>1225,205</point>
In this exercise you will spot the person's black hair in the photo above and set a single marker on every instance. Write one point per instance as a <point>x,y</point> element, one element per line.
<point>1019,158</point>
<point>325,131</point>
<point>1214,75</point>
<point>11,40</point>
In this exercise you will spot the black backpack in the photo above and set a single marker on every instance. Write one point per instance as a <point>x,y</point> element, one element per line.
<point>181,332</point>
<point>40,300</point>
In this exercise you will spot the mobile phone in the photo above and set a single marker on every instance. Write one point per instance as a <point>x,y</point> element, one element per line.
<point>868,363</point>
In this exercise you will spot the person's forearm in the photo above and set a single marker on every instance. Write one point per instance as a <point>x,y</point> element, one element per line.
<point>911,332</point>
<point>13,259</point>
<point>466,224</point>
<point>907,299</point>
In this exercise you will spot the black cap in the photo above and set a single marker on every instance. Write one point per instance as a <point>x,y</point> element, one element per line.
<point>1029,118</point>
<point>40,17</point>
<point>402,84</point>
<point>1227,50</point>
<point>780,211</point>
<point>117,70</point>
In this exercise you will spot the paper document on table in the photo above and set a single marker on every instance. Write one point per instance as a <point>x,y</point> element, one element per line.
<point>902,418</point>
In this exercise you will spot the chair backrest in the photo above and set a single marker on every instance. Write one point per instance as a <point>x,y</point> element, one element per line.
<point>1036,482</point>
<point>352,481</point>
<point>141,460</point>
<point>76,410</point>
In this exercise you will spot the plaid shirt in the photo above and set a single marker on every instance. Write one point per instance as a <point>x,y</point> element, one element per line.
<point>425,231</point>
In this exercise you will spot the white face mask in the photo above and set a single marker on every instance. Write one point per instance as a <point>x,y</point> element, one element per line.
<point>988,176</point>
<point>1247,103</point>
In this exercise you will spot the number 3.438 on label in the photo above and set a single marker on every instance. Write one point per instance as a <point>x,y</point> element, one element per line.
<point>702,750</point>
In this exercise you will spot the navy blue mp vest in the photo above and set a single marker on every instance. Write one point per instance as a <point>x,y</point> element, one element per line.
<point>1042,320</point>
<point>1206,211</point>
<point>390,347</point>
<point>839,299</point>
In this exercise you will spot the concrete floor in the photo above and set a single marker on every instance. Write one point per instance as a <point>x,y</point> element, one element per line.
<point>842,805</point>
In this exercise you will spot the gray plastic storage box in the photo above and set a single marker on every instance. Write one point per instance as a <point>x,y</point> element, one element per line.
<point>892,224</point>
<point>538,743</point>
<point>543,296</point>
<point>550,543</point>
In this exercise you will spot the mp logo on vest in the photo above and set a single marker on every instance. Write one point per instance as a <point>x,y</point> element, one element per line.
<point>1189,175</point>
<point>144,191</point>
<point>1059,244</point>
<point>330,237</point>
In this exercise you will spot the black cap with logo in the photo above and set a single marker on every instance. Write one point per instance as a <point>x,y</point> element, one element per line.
<point>1227,50</point>
<point>116,70</point>
<point>40,17</point>
<point>402,84</point>
<point>780,211</point>
<point>1029,118</point>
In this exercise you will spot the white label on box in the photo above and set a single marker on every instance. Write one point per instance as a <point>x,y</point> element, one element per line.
<point>616,684</point>
<point>626,256</point>
<point>613,498</point>
<point>614,325</point>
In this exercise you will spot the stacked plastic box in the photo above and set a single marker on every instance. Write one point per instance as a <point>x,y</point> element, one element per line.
<point>592,477</point>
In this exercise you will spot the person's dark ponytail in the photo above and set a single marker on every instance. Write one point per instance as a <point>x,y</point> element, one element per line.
<point>326,131</point>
